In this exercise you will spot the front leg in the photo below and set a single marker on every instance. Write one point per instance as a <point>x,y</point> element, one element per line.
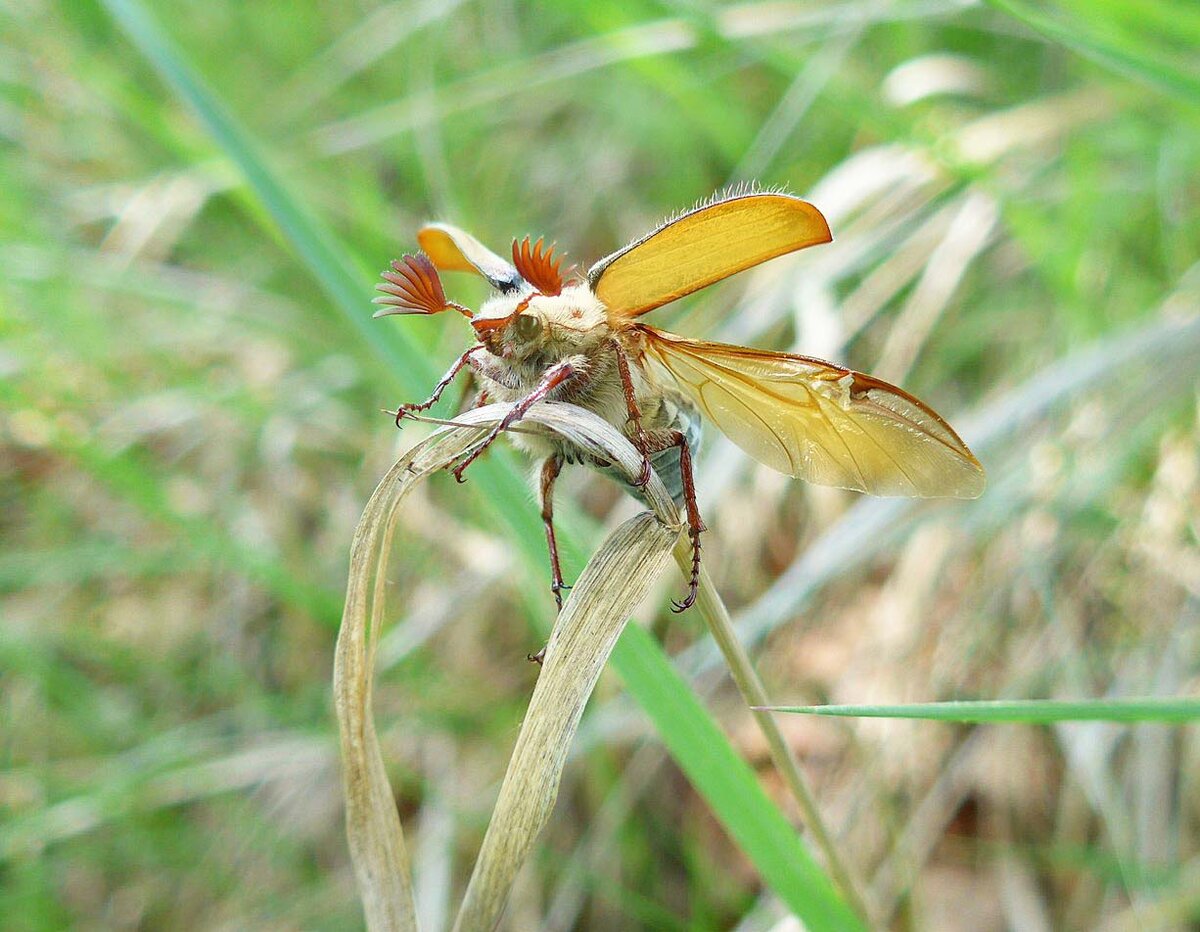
<point>572,368</point>
<point>446,379</point>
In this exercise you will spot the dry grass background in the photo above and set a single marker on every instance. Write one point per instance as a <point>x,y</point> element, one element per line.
<point>190,432</point>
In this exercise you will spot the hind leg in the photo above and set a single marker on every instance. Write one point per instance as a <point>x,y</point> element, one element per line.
<point>551,467</point>
<point>664,441</point>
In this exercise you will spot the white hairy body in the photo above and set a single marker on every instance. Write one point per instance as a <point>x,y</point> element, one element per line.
<point>572,328</point>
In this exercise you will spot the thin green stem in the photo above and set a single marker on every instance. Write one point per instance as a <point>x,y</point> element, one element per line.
<point>716,616</point>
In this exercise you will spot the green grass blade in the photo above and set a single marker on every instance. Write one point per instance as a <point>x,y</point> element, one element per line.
<point>694,740</point>
<point>1167,710</point>
<point>1124,55</point>
<point>324,257</point>
<point>729,785</point>
<point>498,484</point>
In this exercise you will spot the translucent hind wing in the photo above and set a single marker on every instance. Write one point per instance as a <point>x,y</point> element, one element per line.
<point>702,247</point>
<point>819,422</point>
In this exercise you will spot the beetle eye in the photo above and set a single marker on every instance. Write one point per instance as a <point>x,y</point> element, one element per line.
<point>526,327</point>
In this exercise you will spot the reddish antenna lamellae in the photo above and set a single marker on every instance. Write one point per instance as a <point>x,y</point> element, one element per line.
<point>537,266</point>
<point>413,286</point>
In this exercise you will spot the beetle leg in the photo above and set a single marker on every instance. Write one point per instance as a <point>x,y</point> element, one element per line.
<point>551,467</point>
<point>640,438</point>
<point>676,438</point>
<point>553,377</point>
<point>445,380</point>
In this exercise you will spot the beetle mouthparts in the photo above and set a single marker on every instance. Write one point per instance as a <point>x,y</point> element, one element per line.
<point>487,324</point>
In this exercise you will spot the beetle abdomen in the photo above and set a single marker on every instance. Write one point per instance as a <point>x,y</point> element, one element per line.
<point>682,417</point>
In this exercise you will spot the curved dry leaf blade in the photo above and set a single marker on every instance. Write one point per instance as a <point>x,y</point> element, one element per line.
<point>373,831</point>
<point>587,629</point>
<point>617,577</point>
<point>590,432</point>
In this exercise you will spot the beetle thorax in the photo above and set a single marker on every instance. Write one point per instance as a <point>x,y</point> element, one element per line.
<point>540,330</point>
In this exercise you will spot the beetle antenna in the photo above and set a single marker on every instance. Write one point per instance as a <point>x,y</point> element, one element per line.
<point>413,286</point>
<point>537,265</point>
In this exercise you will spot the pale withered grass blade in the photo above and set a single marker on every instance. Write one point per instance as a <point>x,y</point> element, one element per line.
<point>611,585</point>
<point>376,840</point>
<point>617,577</point>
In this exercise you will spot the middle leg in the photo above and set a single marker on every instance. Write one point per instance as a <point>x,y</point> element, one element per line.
<point>551,467</point>
<point>550,470</point>
<point>640,438</point>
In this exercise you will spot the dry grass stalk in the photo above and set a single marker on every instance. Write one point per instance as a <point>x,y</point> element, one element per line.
<point>614,581</point>
<point>712,608</point>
